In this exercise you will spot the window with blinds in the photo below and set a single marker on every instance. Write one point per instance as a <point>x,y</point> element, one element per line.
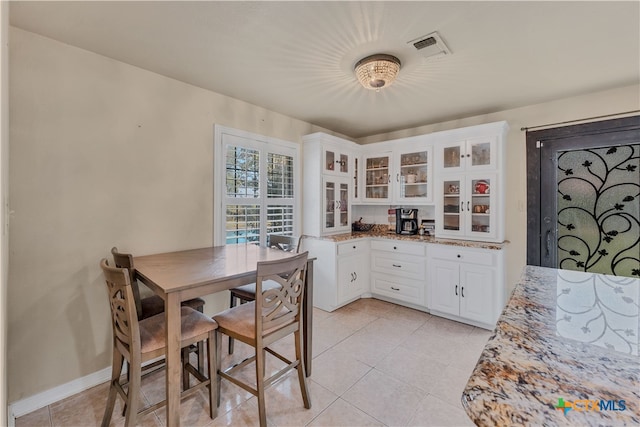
<point>259,189</point>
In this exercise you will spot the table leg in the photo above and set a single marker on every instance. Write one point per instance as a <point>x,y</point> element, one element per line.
<point>172,317</point>
<point>308,320</point>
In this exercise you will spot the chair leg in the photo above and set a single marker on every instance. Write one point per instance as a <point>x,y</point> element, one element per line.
<point>218,346</point>
<point>302,377</point>
<point>200,349</point>
<point>185,373</point>
<point>133,393</point>
<point>213,374</point>
<point>116,370</point>
<point>232,303</point>
<point>260,369</point>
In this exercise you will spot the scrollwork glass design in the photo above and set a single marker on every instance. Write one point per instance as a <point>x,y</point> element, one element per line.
<point>599,309</point>
<point>598,206</point>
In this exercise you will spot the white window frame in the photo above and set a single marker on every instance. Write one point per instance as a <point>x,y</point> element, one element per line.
<point>224,136</point>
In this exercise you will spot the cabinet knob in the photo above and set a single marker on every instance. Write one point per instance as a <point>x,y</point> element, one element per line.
<point>354,246</point>
<point>395,247</point>
<point>459,256</point>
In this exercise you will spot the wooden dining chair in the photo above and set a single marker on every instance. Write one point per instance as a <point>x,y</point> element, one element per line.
<point>273,315</point>
<point>247,293</point>
<point>138,342</point>
<point>154,304</point>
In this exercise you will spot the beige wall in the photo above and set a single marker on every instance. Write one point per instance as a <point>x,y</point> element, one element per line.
<point>607,102</point>
<point>4,185</point>
<point>103,154</point>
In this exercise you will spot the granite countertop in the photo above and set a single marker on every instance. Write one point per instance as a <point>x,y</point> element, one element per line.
<point>566,339</point>
<point>382,232</point>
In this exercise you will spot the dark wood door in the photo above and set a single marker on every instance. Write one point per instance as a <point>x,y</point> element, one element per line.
<point>584,197</point>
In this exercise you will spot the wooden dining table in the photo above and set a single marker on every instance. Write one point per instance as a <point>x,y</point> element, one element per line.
<point>182,275</point>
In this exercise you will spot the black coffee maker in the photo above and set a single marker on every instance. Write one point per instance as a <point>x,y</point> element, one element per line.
<point>406,221</point>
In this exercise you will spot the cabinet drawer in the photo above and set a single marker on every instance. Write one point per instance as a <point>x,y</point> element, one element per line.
<point>406,290</point>
<point>352,247</point>
<point>470,256</point>
<point>398,264</point>
<point>398,247</point>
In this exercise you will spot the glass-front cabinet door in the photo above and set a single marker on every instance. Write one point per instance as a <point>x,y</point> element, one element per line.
<point>469,155</point>
<point>377,177</point>
<point>467,202</point>
<point>336,205</point>
<point>480,199</point>
<point>413,176</point>
<point>336,162</point>
<point>452,204</point>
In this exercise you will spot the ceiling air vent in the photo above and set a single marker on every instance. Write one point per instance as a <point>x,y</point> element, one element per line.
<point>430,45</point>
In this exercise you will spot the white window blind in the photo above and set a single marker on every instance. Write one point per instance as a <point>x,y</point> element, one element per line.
<point>256,195</point>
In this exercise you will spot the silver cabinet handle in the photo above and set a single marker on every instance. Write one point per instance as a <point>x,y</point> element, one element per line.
<point>456,290</point>
<point>394,289</point>
<point>468,209</point>
<point>355,276</point>
<point>396,265</point>
<point>461,206</point>
<point>462,291</point>
<point>397,177</point>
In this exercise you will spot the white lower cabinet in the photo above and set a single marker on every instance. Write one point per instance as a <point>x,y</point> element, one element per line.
<point>340,272</point>
<point>353,273</point>
<point>466,284</point>
<point>398,271</point>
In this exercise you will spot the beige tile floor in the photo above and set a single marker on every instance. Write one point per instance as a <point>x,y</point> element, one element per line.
<point>375,364</point>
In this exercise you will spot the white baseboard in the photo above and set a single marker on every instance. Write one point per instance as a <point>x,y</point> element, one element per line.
<point>45,398</point>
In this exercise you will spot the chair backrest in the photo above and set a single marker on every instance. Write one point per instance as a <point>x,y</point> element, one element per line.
<point>285,243</point>
<point>124,319</point>
<point>279,307</point>
<point>123,260</point>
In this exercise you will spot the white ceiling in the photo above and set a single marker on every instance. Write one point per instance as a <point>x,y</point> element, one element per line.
<point>297,58</point>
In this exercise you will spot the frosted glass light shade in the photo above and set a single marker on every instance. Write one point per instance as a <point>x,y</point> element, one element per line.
<point>377,71</point>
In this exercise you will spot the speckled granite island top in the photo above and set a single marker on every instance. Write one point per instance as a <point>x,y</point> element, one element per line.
<point>564,352</point>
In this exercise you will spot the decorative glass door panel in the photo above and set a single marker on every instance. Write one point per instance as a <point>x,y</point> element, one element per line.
<point>377,178</point>
<point>336,162</point>
<point>598,210</point>
<point>451,158</point>
<point>413,175</point>
<point>480,154</point>
<point>479,207</point>
<point>343,205</point>
<point>330,204</point>
<point>451,205</point>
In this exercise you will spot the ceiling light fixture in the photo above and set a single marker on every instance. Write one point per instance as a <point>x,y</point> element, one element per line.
<point>377,71</point>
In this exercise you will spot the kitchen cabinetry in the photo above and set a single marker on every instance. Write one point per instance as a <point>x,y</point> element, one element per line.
<point>336,215</point>
<point>341,271</point>
<point>399,176</point>
<point>353,274</point>
<point>398,271</point>
<point>337,162</point>
<point>377,177</point>
<point>466,284</point>
<point>473,154</point>
<point>469,207</point>
<point>469,185</point>
<point>329,175</point>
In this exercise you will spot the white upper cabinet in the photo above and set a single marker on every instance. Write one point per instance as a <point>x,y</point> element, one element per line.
<point>469,190</point>
<point>377,177</point>
<point>401,174</point>
<point>329,178</point>
<point>473,154</point>
<point>337,162</point>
